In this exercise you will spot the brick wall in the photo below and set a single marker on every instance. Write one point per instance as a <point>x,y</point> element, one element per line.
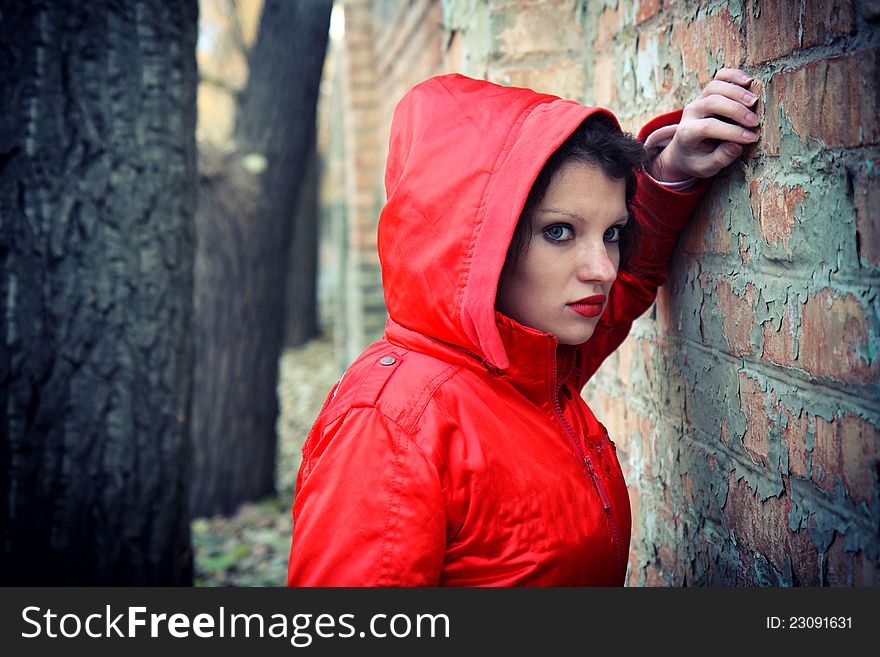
<point>745,405</point>
<point>387,47</point>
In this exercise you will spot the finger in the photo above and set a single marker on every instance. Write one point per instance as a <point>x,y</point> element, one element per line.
<point>733,75</point>
<point>709,128</point>
<point>712,162</point>
<point>725,154</point>
<point>718,105</point>
<point>729,90</point>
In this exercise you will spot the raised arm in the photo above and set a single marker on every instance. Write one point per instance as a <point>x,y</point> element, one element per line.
<point>697,142</point>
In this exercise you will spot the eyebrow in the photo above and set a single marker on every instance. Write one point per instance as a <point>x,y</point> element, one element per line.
<point>575,215</point>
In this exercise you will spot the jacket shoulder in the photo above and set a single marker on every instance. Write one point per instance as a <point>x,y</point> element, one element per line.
<point>398,382</point>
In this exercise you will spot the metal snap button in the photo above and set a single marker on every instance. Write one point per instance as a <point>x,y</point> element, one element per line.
<point>388,360</point>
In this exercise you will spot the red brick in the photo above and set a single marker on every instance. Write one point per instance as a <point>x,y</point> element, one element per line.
<point>779,29</point>
<point>776,28</point>
<point>795,434</point>
<point>712,460</point>
<point>738,316</point>
<point>867,202</point>
<point>607,28</point>
<point>826,455</point>
<point>831,100</point>
<point>825,20</point>
<point>744,254</point>
<point>604,81</point>
<point>751,402</point>
<point>762,527</point>
<point>833,337</point>
<point>664,309</point>
<point>779,345</point>
<point>772,29</point>
<point>710,38</point>
<point>708,229</point>
<point>774,206</point>
<point>849,568</point>
<point>861,452</point>
<point>647,9</point>
<point>655,577</point>
<point>687,487</point>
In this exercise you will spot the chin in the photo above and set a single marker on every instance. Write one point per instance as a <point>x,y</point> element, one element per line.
<point>574,338</point>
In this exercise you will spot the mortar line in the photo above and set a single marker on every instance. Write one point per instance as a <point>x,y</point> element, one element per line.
<point>850,283</point>
<point>775,373</point>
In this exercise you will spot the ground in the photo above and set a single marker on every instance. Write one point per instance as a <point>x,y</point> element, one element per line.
<point>251,547</point>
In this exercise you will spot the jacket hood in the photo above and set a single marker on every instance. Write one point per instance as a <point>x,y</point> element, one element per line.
<point>462,158</point>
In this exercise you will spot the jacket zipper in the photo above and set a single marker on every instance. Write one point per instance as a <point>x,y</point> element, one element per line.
<point>575,443</point>
<point>591,472</point>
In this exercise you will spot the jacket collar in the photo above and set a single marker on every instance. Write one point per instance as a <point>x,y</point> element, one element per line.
<point>538,365</point>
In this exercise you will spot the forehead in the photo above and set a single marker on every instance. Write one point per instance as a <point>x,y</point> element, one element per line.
<point>585,186</point>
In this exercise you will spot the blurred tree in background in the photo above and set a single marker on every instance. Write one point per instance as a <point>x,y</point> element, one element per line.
<point>255,262</point>
<point>97,197</point>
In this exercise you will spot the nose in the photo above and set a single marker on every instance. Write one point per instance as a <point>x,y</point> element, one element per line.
<point>597,262</point>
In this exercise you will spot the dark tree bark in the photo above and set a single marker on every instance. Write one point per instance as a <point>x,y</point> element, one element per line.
<point>97,196</point>
<point>301,305</point>
<point>245,225</point>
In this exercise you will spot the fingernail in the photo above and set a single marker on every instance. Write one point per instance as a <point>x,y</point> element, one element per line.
<point>750,136</point>
<point>746,78</point>
<point>749,97</point>
<point>752,118</point>
<point>733,149</point>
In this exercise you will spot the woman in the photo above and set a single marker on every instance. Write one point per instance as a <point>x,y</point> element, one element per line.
<point>457,450</point>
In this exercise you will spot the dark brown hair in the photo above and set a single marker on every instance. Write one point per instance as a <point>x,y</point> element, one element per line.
<point>597,142</point>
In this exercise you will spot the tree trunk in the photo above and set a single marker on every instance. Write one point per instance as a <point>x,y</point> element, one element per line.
<point>245,225</point>
<point>97,195</point>
<point>301,309</point>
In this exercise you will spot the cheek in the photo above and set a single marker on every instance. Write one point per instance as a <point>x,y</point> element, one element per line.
<point>614,256</point>
<point>512,293</point>
<point>539,275</point>
<point>523,291</point>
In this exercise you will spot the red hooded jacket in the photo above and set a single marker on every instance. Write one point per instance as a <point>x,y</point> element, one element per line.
<point>457,450</point>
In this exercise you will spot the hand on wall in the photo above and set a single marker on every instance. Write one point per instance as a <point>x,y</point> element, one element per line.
<point>712,130</point>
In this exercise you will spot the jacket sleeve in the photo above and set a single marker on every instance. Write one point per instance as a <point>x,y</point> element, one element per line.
<point>661,213</point>
<point>368,509</point>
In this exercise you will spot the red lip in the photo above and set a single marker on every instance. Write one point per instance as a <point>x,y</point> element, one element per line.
<point>589,306</point>
<point>596,298</point>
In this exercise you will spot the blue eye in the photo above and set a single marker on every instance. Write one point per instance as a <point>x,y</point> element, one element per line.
<point>559,233</point>
<point>613,234</point>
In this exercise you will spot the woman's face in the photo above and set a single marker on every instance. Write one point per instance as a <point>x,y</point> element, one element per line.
<point>560,284</point>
